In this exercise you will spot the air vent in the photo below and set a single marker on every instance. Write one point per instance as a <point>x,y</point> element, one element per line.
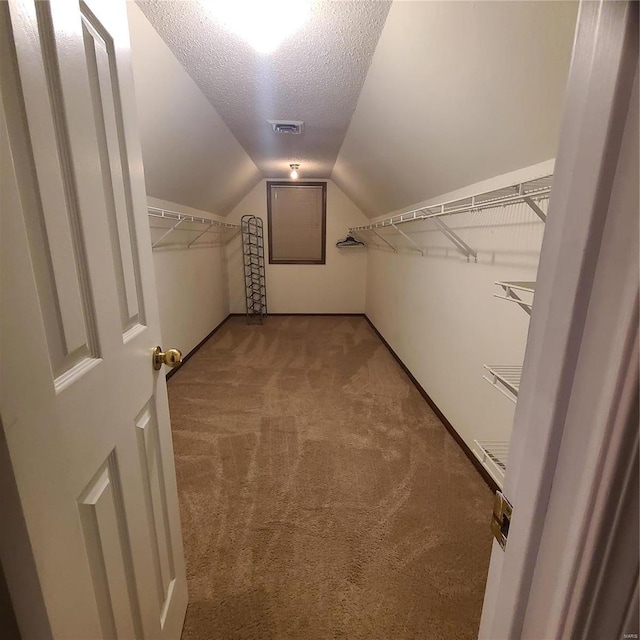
<point>293,127</point>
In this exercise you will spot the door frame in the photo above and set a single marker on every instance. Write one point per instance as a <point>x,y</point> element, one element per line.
<point>599,93</point>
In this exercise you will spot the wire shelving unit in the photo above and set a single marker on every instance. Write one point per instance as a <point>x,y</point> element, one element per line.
<point>254,268</point>
<point>506,379</point>
<point>173,230</point>
<point>493,455</point>
<point>531,192</point>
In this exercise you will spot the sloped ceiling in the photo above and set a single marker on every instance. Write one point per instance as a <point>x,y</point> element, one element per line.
<point>414,99</point>
<point>314,76</point>
<point>457,92</point>
<point>190,156</point>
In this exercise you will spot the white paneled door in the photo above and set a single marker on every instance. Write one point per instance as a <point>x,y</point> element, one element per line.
<point>85,416</point>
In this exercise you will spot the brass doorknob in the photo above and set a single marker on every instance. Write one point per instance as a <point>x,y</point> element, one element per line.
<point>170,357</point>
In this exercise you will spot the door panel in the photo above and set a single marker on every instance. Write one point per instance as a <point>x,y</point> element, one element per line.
<point>156,504</point>
<point>109,553</point>
<point>54,225</point>
<point>102,69</point>
<point>85,417</point>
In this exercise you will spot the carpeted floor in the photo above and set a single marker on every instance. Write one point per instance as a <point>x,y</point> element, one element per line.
<point>320,496</point>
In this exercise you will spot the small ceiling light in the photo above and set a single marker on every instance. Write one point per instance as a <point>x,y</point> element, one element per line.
<point>294,171</point>
<point>264,24</point>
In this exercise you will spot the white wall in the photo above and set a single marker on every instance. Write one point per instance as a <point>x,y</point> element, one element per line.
<point>457,92</point>
<point>192,288</point>
<point>439,315</point>
<point>335,287</point>
<point>194,165</point>
<point>189,154</point>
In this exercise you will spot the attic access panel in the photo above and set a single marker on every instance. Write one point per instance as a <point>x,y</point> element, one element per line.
<point>297,218</point>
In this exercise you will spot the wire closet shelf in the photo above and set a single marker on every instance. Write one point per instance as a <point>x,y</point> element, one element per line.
<point>493,455</point>
<point>505,378</point>
<point>530,192</point>
<point>519,292</point>
<point>173,230</point>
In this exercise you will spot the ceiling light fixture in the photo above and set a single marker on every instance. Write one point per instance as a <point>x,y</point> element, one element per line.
<point>294,171</point>
<point>264,24</point>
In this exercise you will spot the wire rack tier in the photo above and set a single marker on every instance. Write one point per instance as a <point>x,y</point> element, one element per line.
<point>493,455</point>
<point>254,268</point>
<point>519,292</point>
<point>505,378</point>
<point>173,230</point>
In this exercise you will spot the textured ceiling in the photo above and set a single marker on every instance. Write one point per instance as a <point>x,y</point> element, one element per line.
<point>315,76</point>
<point>190,156</point>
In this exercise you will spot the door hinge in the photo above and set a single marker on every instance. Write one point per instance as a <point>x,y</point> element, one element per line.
<point>501,519</point>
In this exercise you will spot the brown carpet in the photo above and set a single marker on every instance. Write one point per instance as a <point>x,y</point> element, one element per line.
<point>320,496</point>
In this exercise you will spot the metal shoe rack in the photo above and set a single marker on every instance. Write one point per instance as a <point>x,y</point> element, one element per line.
<point>254,270</point>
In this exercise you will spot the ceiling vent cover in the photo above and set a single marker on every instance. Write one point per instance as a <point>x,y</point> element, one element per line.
<point>287,126</point>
